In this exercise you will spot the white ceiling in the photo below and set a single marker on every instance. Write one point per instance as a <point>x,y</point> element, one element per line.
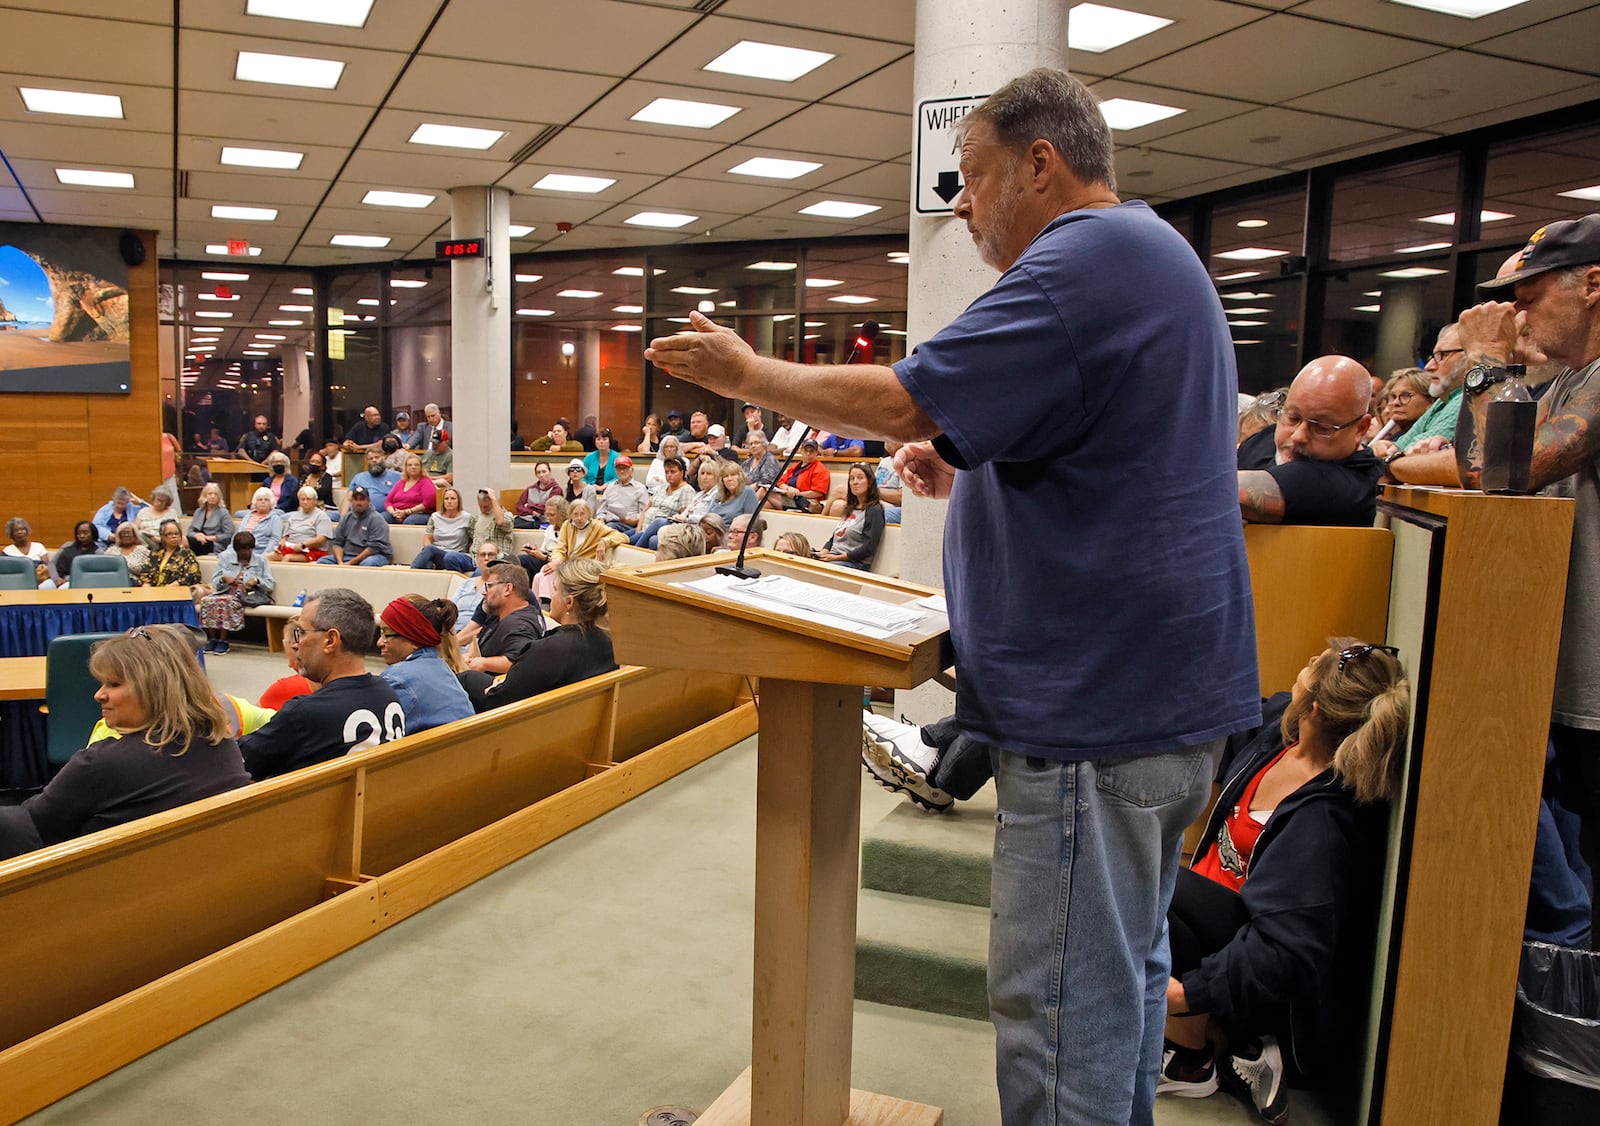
<point>1267,87</point>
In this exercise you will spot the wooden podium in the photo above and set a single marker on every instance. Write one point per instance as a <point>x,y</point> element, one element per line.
<point>808,809</point>
<point>237,478</point>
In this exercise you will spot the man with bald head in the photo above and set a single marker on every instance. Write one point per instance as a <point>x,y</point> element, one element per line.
<point>1311,468</point>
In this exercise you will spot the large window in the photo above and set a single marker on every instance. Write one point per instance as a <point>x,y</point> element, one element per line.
<point>1404,209</point>
<point>1537,180</point>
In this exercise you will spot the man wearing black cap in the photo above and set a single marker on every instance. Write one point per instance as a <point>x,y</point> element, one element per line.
<point>752,421</point>
<point>675,427</point>
<point>1554,314</point>
<point>362,537</point>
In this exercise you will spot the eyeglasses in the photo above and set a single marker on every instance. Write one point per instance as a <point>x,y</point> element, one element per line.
<point>1356,652</point>
<point>140,631</point>
<point>1402,397</point>
<point>1292,419</point>
<point>299,633</point>
<point>1439,354</point>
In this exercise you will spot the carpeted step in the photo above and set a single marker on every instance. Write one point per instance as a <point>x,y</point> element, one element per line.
<point>943,856</point>
<point>922,954</point>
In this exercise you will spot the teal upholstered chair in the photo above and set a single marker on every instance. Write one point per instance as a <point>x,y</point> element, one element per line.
<point>69,694</point>
<point>17,573</point>
<point>100,571</point>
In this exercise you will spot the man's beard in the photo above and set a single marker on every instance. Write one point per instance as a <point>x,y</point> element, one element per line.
<point>998,223</point>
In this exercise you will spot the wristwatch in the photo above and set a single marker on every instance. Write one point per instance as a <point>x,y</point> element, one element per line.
<point>1395,455</point>
<point>1481,377</point>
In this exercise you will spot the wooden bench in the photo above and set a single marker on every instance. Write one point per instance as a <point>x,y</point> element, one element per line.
<point>123,940</point>
<point>817,529</point>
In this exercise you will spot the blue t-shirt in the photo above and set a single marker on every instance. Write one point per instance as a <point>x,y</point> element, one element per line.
<point>378,486</point>
<point>1094,558</point>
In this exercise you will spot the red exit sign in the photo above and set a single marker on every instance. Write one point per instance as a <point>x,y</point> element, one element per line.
<point>459,248</point>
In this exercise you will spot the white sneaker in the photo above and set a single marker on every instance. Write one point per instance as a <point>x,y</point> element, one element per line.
<point>1261,1077</point>
<point>898,760</point>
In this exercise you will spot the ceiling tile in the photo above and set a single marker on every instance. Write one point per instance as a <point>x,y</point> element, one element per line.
<point>91,148</point>
<point>270,122</point>
<point>705,218</point>
<point>104,52</point>
<point>144,108</point>
<point>609,38</point>
<point>350,190</point>
<point>523,179</point>
<point>392,129</point>
<point>208,60</point>
<point>1435,27</point>
<point>1565,42</point>
<point>397,222</point>
<point>894,20</point>
<point>833,129</point>
<point>204,154</point>
<point>881,181</point>
<point>1510,111</point>
<point>1193,21</point>
<point>545,211</point>
<point>467,87</point>
<point>607,151</point>
<point>716,168</point>
<point>1198,109</point>
<point>424,172</point>
<point>1143,171</point>
<point>888,90</point>
<point>615,110</point>
<point>1274,137</point>
<point>393,25</point>
<point>268,191</point>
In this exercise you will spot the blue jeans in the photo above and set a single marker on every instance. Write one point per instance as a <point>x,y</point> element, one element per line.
<point>434,557</point>
<point>373,560</point>
<point>1078,1010</point>
<point>644,535</point>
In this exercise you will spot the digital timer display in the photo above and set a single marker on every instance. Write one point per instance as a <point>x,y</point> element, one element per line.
<point>459,248</point>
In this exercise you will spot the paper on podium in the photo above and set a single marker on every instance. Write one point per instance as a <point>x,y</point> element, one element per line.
<point>807,602</point>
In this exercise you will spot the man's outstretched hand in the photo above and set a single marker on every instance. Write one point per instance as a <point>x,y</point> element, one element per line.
<point>708,354</point>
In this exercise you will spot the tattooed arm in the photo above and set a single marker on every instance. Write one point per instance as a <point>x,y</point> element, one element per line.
<point>1260,499</point>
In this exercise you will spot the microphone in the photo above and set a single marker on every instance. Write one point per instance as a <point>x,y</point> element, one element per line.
<point>864,338</point>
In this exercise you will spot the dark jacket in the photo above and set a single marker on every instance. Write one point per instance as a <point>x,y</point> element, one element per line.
<point>1301,967</point>
<point>288,501</point>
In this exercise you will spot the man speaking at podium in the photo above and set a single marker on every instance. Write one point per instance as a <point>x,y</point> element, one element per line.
<point>1080,416</point>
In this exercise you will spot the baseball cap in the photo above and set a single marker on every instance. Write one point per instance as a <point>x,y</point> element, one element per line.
<point>360,491</point>
<point>716,430</point>
<point>621,461</point>
<point>1570,242</point>
<point>674,414</point>
<point>749,406</point>
<point>575,463</point>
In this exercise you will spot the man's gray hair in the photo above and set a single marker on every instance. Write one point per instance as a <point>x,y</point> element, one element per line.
<point>1051,105</point>
<point>343,609</point>
<point>1572,276</point>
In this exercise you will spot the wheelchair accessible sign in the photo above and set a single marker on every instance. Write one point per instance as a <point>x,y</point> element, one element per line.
<point>938,157</point>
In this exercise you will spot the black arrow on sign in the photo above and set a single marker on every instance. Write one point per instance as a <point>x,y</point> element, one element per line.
<point>949,186</point>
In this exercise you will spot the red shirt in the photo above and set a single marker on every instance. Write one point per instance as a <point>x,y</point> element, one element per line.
<point>1227,862</point>
<point>813,478</point>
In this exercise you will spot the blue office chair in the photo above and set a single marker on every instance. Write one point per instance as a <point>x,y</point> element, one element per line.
<point>99,571</point>
<point>17,573</point>
<point>69,695</point>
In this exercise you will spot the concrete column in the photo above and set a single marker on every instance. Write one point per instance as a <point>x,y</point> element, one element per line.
<point>1399,327</point>
<point>964,48</point>
<point>296,376</point>
<point>480,341</point>
<point>588,376</point>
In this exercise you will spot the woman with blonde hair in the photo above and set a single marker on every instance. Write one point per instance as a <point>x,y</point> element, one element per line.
<point>793,543</point>
<point>172,746</point>
<point>1271,926</point>
<point>576,648</point>
<point>417,637</point>
<point>211,529</point>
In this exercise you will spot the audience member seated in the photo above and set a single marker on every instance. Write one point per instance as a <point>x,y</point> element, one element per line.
<point>558,441</point>
<point>649,435</point>
<point>655,478</point>
<point>746,529</point>
<point>786,434</point>
<point>1426,453</point>
<point>705,473</point>
<point>1261,413</point>
<point>836,446</point>
<point>162,507</point>
<point>433,424</point>
<point>624,500</point>
<point>23,546</point>
<point>1311,468</point>
<point>211,528</point>
<point>318,479</point>
<point>855,542</point>
<point>306,531</point>
<point>417,638</point>
<point>717,444</point>
<point>174,564</point>
<point>735,497</point>
<point>600,466</point>
<point>394,454</point>
<point>122,506</point>
<point>84,542</point>
<point>696,442</point>
<point>134,553</point>
<point>282,484</point>
<point>333,462</point>
<point>760,466</point>
<point>673,497</point>
<point>171,746</point>
<point>890,488</point>
<point>715,531</point>
<point>262,520</point>
<point>258,443</point>
<point>793,543</point>
<point>362,537</point>
<point>468,594</point>
<point>586,431</point>
<point>377,480</point>
<point>1405,399</point>
<point>1271,924</point>
<point>281,691</point>
<point>673,427</point>
<point>511,625</point>
<point>577,488</point>
<point>805,485</point>
<point>538,554</point>
<point>439,463</point>
<point>680,541</point>
<point>752,425</point>
<point>530,505</point>
<point>414,497</point>
<point>367,434</point>
<point>492,524</point>
<point>217,445</point>
<point>581,537</point>
<point>575,648</point>
<point>408,438</point>
<point>243,716</point>
<point>242,580</point>
<point>351,711</point>
<point>450,528</point>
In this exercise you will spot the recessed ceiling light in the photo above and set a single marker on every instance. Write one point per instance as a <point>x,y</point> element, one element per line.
<point>520,230</point>
<point>1246,324</point>
<point>286,324</point>
<point>1247,342</point>
<point>1368,308</point>
<point>369,242</point>
<point>665,219</point>
<point>692,290</point>
<point>288,70</point>
<point>255,353</point>
<point>1251,254</point>
<point>295,309</point>
<point>224,277</point>
<point>1422,248</point>
<point>72,103</point>
<point>1372,293</point>
<point>301,292</point>
<point>260,158</point>
<point>583,293</point>
<point>627,328</point>
<point>1238,275</point>
<point>343,13</point>
<point>690,115</point>
<point>1448,218</point>
<point>774,168</point>
<point>94,178</point>
<point>1246,295</point>
<point>1466,9</point>
<point>368,301</point>
<point>1590,193</point>
<point>222,249</point>
<point>767,60</point>
<point>627,310</point>
<point>1251,224</point>
<point>376,198</point>
<point>852,299</point>
<point>774,266</point>
<point>456,136</point>
<point>636,272</point>
<point>214,297</point>
<point>530,277</point>
<point>1412,272</point>
<point>1095,27</point>
<point>840,209</point>
<point>900,257</point>
<point>211,313</point>
<point>1245,312</point>
<point>270,336</point>
<point>247,214</point>
<point>536,312</point>
<point>564,182</point>
<point>1126,113</point>
<point>822,283</point>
